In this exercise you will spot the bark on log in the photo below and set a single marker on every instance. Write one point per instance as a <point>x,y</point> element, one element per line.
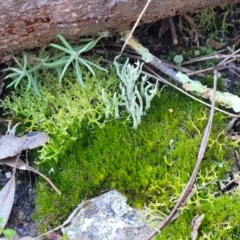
<point>26,24</point>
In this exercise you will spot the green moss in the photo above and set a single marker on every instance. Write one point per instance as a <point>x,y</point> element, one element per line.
<point>150,165</point>
<point>208,80</point>
<point>221,219</point>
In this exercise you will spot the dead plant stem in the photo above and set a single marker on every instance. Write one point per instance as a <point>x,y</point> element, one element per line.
<point>135,25</point>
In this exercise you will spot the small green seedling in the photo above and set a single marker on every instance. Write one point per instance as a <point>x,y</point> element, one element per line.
<point>30,70</point>
<point>72,55</point>
<point>25,70</point>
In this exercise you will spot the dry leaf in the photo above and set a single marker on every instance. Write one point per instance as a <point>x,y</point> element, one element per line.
<point>11,161</point>
<point>6,200</point>
<point>11,145</point>
<point>196,222</point>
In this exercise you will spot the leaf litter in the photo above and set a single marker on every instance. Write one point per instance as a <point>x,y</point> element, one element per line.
<point>10,150</point>
<point>12,145</point>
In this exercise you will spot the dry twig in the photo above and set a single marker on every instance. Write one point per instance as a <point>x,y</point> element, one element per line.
<point>135,25</point>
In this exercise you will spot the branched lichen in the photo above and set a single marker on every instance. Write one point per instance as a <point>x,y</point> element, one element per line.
<point>131,98</point>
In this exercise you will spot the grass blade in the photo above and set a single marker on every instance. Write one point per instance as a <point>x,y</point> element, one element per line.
<point>96,65</point>
<point>65,42</point>
<point>88,46</point>
<point>61,48</point>
<point>34,86</point>
<point>79,73</point>
<point>58,63</point>
<point>65,68</point>
<point>18,63</point>
<point>29,77</point>
<point>25,61</point>
<point>15,82</point>
<point>83,61</point>
<point>11,75</point>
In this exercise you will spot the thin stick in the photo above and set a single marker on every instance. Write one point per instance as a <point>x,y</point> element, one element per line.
<point>159,78</point>
<point>230,56</point>
<point>209,57</point>
<point>135,25</point>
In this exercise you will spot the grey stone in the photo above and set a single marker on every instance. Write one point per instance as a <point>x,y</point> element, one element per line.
<point>107,217</point>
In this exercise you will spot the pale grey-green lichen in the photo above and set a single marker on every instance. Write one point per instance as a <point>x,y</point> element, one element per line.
<point>225,99</point>
<point>131,97</point>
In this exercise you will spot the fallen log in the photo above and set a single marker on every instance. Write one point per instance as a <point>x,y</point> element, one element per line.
<point>27,24</point>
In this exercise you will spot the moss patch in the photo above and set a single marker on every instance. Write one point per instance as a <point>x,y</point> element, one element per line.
<point>150,165</point>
